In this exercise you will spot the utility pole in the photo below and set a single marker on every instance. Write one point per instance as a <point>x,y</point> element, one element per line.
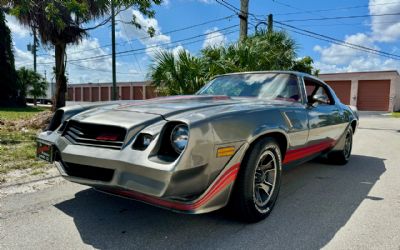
<point>244,15</point>
<point>34,49</point>
<point>270,27</point>
<point>114,73</point>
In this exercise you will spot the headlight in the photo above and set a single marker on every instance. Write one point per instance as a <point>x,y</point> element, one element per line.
<point>142,141</point>
<point>179,137</point>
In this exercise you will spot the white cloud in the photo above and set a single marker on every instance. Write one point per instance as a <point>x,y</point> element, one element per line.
<point>214,38</point>
<point>166,3</point>
<point>82,71</point>
<point>98,70</point>
<point>129,32</point>
<point>175,50</point>
<point>16,28</point>
<point>385,28</point>
<point>337,58</point>
<point>337,54</point>
<point>207,1</point>
<point>363,63</point>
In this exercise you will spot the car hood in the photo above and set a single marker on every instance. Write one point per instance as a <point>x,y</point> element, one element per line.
<point>132,113</point>
<point>169,106</point>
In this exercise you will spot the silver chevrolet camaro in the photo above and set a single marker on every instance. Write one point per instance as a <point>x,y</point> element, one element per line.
<point>226,144</point>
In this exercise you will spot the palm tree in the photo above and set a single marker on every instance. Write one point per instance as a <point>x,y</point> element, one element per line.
<point>262,51</point>
<point>31,83</point>
<point>177,74</point>
<point>185,74</point>
<point>59,23</point>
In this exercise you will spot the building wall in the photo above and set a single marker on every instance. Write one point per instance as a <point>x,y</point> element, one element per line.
<point>355,77</point>
<point>103,92</point>
<point>397,93</point>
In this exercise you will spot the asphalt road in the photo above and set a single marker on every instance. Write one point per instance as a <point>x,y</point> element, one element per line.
<point>356,206</point>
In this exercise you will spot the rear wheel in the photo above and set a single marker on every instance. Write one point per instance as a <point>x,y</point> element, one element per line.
<point>257,186</point>
<point>343,156</point>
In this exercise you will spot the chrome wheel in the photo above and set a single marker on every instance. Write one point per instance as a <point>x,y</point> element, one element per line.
<point>264,179</point>
<point>348,145</point>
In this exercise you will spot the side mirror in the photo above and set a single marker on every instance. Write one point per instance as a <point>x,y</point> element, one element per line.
<point>320,99</point>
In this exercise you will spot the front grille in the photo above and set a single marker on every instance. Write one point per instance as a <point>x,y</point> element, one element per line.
<point>95,135</point>
<point>88,172</point>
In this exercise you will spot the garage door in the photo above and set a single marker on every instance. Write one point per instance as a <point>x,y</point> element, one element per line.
<point>95,94</point>
<point>86,94</point>
<point>373,95</point>
<point>104,94</point>
<point>126,93</point>
<point>78,94</point>
<point>342,90</point>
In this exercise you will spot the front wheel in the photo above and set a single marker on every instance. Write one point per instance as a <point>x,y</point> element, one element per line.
<point>257,185</point>
<point>343,156</point>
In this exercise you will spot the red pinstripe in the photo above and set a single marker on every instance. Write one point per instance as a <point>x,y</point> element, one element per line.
<point>223,181</point>
<point>300,153</point>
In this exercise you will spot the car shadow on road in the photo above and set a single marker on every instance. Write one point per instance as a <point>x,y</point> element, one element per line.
<point>315,202</point>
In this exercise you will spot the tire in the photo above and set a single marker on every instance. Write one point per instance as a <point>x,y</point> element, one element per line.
<point>252,199</point>
<point>343,156</point>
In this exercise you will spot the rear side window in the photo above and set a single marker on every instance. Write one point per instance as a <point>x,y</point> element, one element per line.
<point>315,88</point>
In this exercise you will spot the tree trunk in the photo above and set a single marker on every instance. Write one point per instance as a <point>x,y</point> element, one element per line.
<point>34,101</point>
<point>61,80</point>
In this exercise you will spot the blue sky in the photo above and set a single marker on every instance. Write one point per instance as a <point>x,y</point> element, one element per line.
<point>377,32</point>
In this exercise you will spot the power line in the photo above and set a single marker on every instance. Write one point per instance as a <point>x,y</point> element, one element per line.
<point>344,24</point>
<point>183,44</point>
<point>149,37</point>
<point>337,41</point>
<point>130,44</point>
<point>100,70</point>
<point>327,10</point>
<point>129,52</point>
<point>146,37</point>
<point>338,17</point>
<point>165,33</point>
<point>229,6</point>
<point>330,41</point>
<point>132,50</point>
<point>233,6</point>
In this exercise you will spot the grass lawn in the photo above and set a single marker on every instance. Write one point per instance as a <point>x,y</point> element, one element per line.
<point>13,114</point>
<point>396,114</point>
<point>17,145</point>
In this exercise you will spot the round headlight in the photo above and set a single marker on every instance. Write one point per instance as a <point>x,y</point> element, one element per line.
<point>179,137</point>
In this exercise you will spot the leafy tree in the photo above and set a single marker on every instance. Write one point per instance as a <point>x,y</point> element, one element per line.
<point>305,65</point>
<point>63,22</point>
<point>185,74</point>
<point>177,75</point>
<point>31,83</point>
<point>8,76</point>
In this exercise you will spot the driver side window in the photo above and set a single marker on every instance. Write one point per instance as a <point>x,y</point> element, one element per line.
<point>313,88</point>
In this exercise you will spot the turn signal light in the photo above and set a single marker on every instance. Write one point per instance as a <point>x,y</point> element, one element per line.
<point>225,151</point>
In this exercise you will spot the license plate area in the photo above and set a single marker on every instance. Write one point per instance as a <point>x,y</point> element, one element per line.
<point>45,151</point>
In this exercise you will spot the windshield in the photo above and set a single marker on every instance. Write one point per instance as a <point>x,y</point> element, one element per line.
<point>260,85</point>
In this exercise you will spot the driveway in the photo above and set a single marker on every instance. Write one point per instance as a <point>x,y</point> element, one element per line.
<point>337,207</point>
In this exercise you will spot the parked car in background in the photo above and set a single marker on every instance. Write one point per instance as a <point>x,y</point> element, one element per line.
<point>228,143</point>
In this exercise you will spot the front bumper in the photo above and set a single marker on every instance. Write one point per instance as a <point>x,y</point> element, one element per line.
<point>131,174</point>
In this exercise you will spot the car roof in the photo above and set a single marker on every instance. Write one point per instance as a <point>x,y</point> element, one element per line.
<point>301,74</point>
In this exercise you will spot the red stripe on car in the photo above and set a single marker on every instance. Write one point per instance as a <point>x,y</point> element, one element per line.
<point>300,153</point>
<point>223,181</point>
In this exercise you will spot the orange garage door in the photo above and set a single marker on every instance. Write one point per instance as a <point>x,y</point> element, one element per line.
<point>373,95</point>
<point>126,93</point>
<point>342,90</point>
